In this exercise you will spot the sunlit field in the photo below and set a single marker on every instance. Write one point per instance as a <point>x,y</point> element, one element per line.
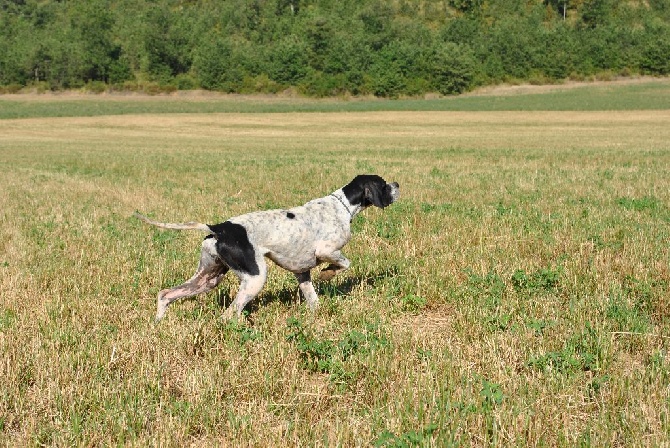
<point>516,295</point>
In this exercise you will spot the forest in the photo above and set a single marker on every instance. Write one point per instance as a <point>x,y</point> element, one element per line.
<point>325,48</point>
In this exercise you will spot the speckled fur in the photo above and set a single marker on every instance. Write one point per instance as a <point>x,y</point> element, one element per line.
<point>297,239</point>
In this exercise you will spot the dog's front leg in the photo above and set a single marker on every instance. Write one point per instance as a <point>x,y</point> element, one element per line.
<point>250,286</point>
<point>338,263</point>
<point>307,289</point>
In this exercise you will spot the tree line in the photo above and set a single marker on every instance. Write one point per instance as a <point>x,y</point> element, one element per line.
<point>385,48</point>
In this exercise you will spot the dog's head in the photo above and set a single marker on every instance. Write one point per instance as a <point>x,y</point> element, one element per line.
<point>369,189</point>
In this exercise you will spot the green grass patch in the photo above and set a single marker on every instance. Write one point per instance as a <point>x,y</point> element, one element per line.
<point>640,96</point>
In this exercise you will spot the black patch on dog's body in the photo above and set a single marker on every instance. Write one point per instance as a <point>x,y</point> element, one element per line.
<point>234,248</point>
<point>290,215</point>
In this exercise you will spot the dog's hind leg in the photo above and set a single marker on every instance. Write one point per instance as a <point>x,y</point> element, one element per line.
<point>209,274</point>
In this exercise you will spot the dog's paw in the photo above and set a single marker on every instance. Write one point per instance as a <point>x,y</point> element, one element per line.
<point>327,274</point>
<point>161,307</point>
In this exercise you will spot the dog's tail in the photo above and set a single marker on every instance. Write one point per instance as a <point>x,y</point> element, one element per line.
<point>174,226</point>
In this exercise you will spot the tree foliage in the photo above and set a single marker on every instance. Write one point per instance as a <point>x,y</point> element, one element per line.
<point>327,47</point>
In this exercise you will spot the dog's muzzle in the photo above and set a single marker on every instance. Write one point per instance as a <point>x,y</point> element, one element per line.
<point>395,191</point>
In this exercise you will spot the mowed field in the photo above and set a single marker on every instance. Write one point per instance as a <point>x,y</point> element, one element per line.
<point>516,295</point>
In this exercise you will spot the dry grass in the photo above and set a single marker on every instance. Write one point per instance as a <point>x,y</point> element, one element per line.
<point>516,295</point>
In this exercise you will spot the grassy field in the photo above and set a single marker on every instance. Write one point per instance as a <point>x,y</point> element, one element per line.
<point>631,94</point>
<point>516,295</point>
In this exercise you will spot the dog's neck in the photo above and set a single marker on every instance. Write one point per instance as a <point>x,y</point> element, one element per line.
<point>343,203</point>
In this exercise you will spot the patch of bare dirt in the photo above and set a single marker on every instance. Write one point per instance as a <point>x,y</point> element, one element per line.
<point>521,89</point>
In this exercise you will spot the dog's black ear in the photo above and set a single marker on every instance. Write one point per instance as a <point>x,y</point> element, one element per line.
<point>378,195</point>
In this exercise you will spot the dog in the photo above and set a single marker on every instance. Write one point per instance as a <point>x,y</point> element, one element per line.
<point>298,239</point>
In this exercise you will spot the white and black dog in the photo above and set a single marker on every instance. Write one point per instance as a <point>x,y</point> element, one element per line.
<point>297,239</point>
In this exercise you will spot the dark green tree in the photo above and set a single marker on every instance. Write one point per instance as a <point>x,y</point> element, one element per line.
<point>288,60</point>
<point>453,68</point>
